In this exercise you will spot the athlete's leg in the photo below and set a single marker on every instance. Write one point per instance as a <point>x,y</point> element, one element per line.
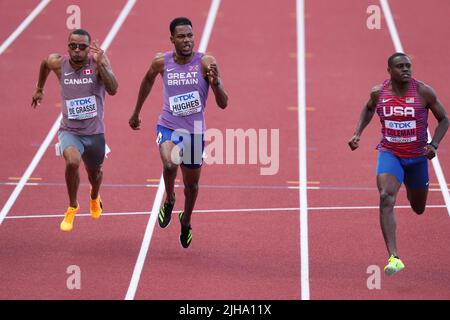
<point>93,157</point>
<point>191,177</point>
<point>390,175</point>
<point>388,186</point>
<point>417,198</point>
<point>416,183</point>
<point>168,150</point>
<point>95,176</point>
<point>72,157</point>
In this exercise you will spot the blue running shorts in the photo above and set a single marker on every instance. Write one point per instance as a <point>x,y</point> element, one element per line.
<point>412,171</point>
<point>191,145</point>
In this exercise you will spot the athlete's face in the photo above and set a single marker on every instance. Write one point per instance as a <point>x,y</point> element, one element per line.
<point>400,70</point>
<point>78,48</point>
<point>183,40</point>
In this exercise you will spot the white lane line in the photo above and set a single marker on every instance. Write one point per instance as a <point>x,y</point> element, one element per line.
<point>54,129</point>
<point>301,74</point>
<point>131,292</point>
<point>23,25</point>
<point>159,194</point>
<point>213,211</point>
<point>399,48</point>
<point>212,14</point>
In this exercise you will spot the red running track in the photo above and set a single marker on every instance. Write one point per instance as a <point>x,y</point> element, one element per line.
<point>237,254</point>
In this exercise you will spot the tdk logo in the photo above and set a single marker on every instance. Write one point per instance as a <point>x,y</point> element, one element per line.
<point>398,111</point>
<point>403,126</point>
<point>80,102</point>
<point>184,97</point>
<point>400,125</point>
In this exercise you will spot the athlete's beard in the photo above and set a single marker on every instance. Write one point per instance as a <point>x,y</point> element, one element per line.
<point>79,62</point>
<point>183,54</point>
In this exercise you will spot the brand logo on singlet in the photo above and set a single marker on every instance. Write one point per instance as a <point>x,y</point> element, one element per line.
<point>398,111</point>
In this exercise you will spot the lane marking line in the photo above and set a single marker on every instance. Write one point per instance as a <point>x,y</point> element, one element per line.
<point>301,89</point>
<point>218,211</point>
<point>23,25</point>
<point>399,48</point>
<point>54,129</point>
<point>159,194</point>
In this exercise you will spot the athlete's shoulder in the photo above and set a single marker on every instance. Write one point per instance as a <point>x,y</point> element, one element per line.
<point>422,87</point>
<point>54,60</point>
<point>376,88</point>
<point>375,91</point>
<point>158,62</point>
<point>426,92</point>
<point>207,59</point>
<point>159,58</point>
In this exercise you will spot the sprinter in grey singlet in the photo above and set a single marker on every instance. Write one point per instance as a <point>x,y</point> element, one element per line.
<point>84,75</point>
<point>187,76</point>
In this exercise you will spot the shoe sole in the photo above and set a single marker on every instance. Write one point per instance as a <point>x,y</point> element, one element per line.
<point>98,217</point>
<point>183,244</point>
<point>65,230</point>
<point>164,226</point>
<point>391,271</point>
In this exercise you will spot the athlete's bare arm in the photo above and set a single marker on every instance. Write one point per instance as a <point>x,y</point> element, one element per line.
<point>104,69</point>
<point>156,68</point>
<point>210,70</point>
<point>432,102</point>
<point>366,116</point>
<point>51,63</point>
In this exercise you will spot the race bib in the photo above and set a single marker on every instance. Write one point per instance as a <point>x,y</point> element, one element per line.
<point>185,104</point>
<point>400,131</point>
<point>81,108</point>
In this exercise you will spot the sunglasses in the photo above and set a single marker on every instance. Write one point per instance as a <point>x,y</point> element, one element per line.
<point>80,46</point>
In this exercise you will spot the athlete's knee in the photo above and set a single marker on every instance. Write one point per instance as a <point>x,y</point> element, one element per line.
<point>418,209</point>
<point>387,199</point>
<point>95,174</point>
<point>72,163</point>
<point>169,166</point>
<point>191,187</point>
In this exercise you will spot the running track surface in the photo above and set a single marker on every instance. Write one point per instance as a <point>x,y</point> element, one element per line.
<point>237,252</point>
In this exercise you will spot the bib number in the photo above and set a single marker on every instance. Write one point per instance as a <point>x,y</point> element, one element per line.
<point>82,108</point>
<point>400,131</point>
<point>185,104</point>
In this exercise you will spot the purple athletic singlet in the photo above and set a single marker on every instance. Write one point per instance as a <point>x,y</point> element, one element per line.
<point>185,94</point>
<point>83,96</point>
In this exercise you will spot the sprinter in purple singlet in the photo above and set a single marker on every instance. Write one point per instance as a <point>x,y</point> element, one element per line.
<point>187,76</point>
<point>402,103</point>
<point>83,78</point>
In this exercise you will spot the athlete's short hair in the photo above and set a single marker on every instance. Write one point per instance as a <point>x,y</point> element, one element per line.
<point>81,32</point>
<point>395,55</point>
<point>180,21</point>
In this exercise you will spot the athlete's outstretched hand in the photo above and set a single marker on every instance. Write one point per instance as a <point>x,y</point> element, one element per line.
<point>430,151</point>
<point>134,122</point>
<point>37,98</point>
<point>354,142</point>
<point>98,53</point>
<point>213,74</point>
